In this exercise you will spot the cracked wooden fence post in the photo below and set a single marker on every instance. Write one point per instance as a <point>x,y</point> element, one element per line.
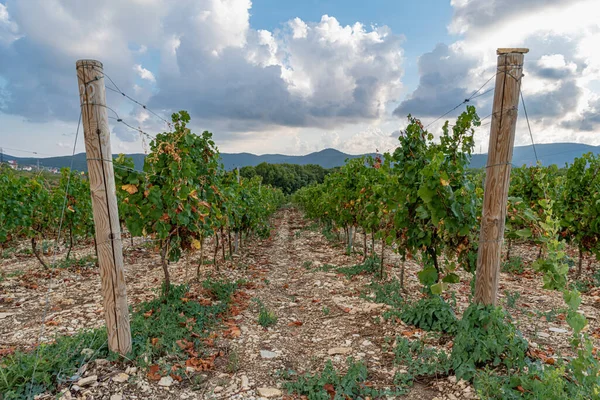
<point>502,138</point>
<point>94,118</point>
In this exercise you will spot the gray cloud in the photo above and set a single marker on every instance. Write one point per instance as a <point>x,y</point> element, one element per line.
<point>555,103</point>
<point>475,15</point>
<point>588,121</point>
<point>443,75</point>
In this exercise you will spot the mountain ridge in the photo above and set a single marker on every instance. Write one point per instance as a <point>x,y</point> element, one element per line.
<point>548,153</point>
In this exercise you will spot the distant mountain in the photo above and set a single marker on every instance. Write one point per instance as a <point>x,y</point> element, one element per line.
<point>327,158</point>
<point>553,153</point>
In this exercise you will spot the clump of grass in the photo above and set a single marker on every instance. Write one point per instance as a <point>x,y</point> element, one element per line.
<point>371,265</point>
<point>266,317</point>
<point>28,374</point>
<point>514,265</point>
<point>88,261</point>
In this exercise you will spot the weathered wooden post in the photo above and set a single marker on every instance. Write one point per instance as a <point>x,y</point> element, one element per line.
<point>502,138</point>
<point>104,203</point>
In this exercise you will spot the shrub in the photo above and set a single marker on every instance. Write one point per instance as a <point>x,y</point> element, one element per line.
<point>484,336</point>
<point>430,314</point>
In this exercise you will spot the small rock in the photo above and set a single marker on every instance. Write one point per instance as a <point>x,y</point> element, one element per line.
<point>165,381</point>
<point>87,352</point>
<point>101,361</point>
<point>267,354</point>
<point>218,389</point>
<point>131,370</point>
<point>339,350</point>
<point>245,382</point>
<point>558,330</point>
<point>120,377</point>
<point>190,370</point>
<point>116,397</point>
<point>543,335</point>
<point>366,343</point>
<point>87,381</point>
<point>5,314</point>
<point>451,396</point>
<point>268,392</point>
<point>452,379</point>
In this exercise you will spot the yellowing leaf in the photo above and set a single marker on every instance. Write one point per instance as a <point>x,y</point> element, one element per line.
<point>194,194</point>
<point>70,208</point>
<point>444,182</point>
<point>196,244</point>
<point>131,189</point>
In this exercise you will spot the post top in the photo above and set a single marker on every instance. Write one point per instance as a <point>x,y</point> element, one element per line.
<point>93,63</point>
<point>507,50</point>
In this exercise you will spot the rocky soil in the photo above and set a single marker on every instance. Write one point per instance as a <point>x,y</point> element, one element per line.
<point>321,316</point>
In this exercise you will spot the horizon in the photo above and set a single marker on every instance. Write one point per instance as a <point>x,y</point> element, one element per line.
<point>294,78</point>
<point>303,155</point>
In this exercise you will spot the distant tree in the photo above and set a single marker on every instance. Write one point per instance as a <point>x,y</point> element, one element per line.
<point>287,177</point>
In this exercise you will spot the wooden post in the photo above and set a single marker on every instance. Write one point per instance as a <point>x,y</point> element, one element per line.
<point>502,138</point>
<point>104,203</point>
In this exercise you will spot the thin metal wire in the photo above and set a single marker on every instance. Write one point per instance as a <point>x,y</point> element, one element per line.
<point>118,90</point>
<point>149,136</point>
<point>473,96</point>
<point>56,243</point>
<point>528,125</point>
<point>27,151</point>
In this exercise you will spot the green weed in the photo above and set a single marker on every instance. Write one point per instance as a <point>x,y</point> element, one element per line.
<point>329,384</point>
<point>511,298</point>
<point>266,318</point>
<point>486,336</point>
<point>514,265</point>
<point>430,314</point>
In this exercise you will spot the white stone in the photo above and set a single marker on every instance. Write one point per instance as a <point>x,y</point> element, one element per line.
<point>165,381</point>
<point>120,377</point>
<point>5,314</point>
<point>267,354</point>
<point>339,350</point>
<point>268,392</point>
<point>87,352</point>
<point>87,380</point>
<point>245,382</point>
<point>218,389</point>
<point>116,397</point>
<point>558,330</point>
<point>131,370</point>
<point>366,343</point>
<point>452,378</point>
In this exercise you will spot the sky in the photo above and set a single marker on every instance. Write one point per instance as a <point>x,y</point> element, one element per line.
<point>293,77</point>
